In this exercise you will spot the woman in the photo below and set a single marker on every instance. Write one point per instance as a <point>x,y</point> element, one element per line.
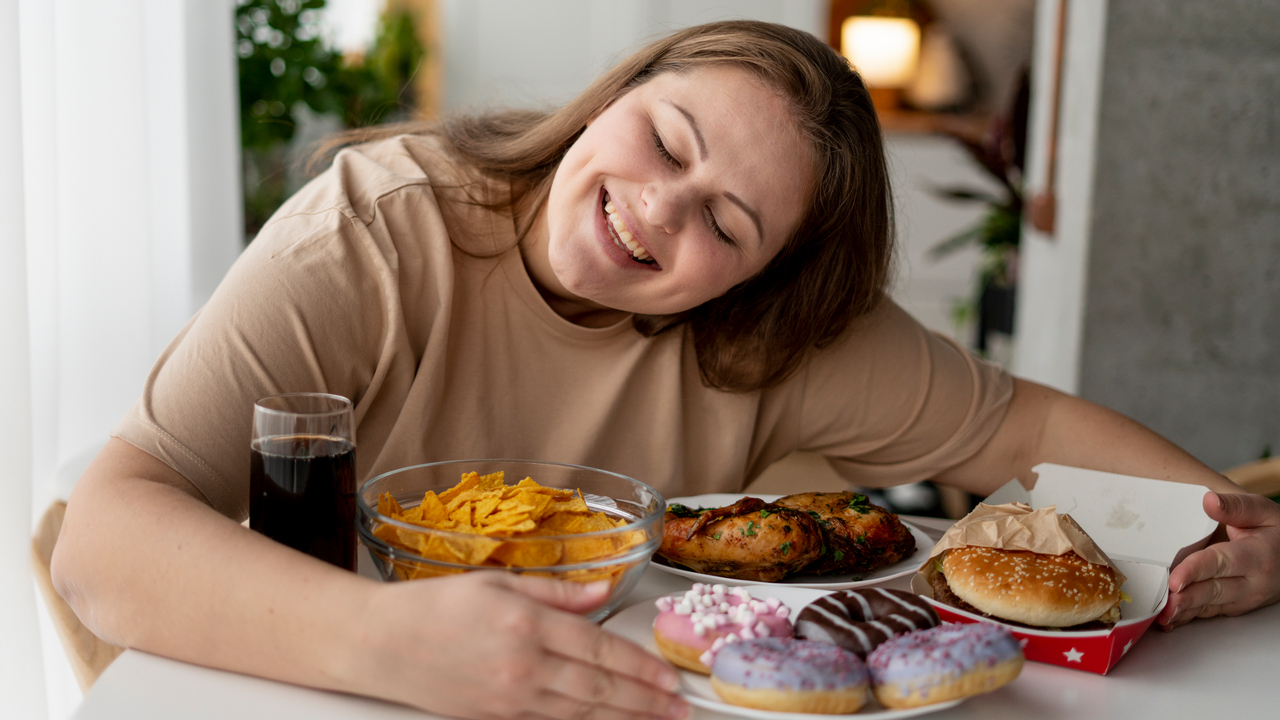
<point>678,276</point>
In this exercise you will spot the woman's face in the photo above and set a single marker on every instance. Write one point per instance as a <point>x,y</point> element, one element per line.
<point>681,189</point>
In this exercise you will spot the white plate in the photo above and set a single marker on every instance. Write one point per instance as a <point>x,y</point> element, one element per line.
<point>636,624</point>
<point>905,566</point>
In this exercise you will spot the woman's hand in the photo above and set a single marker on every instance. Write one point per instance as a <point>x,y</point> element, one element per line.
<point>498,645</point>
<point>1231,577</point>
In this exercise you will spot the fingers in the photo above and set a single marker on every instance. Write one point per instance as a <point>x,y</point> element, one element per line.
<point>1208,598</point>
<point>576,639</point>
<point>603,694</point>
<point>568,596</point>
<point>1216,561</point>
<point>552,705</point>
<point>1217,596</point>
<point>1242,510</point>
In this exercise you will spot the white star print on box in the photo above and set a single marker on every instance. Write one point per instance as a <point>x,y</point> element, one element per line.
<point>1126,647</point>
<point>1074,655</point>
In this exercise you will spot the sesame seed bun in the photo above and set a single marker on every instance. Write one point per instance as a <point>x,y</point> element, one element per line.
<point>1030,588</point>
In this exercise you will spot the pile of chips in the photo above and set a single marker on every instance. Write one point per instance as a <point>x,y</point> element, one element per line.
<point>492,524</point>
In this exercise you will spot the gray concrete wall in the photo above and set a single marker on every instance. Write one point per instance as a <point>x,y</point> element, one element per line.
<point>1182,309</point>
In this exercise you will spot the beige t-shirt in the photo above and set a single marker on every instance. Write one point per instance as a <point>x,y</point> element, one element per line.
<point>360,286</point>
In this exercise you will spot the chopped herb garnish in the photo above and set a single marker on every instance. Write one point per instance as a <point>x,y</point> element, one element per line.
<point>717,535</point>
<point>683,511</point>
<point>860,504</point>
<point>814,514</point>
<point>838,556</point>
<point>786,547</point>
<point>750,529</point>
<point>861,539</point>
<point>765,513</point>
<point>786,528</point>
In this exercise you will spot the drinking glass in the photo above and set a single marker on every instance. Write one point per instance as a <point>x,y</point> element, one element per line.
<point>302,481</point>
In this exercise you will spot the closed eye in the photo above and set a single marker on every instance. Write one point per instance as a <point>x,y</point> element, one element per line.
<point>662,150</point>
<point>715,230</point>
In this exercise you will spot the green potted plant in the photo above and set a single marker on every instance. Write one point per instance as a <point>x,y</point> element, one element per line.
<point>1001,152</point>
<point>286,66</point>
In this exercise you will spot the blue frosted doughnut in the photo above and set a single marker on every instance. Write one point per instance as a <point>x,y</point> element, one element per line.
<point>785,674</point>
<point>943,663</point>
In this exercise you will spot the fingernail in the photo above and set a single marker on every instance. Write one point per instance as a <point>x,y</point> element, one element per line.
<point>1221,505</point>
<point>1181,586</point>
<point>599,587</point>
<point>669,681</point>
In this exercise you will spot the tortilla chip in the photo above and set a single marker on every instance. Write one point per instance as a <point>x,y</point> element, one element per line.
<point>496,522</point>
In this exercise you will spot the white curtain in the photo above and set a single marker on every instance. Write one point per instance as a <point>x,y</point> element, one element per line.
<point>119,214</point>
<point>21,682</point>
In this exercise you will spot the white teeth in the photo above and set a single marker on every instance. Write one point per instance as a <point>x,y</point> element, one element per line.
<point>621,235</point>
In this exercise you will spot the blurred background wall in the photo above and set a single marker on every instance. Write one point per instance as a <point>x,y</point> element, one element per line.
<point>1182,298</point>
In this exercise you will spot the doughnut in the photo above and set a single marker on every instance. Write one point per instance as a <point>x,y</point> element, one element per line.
<point>789,675</point>
<point>859,620</point>
<point>691,627</point>
<point>943,663</point>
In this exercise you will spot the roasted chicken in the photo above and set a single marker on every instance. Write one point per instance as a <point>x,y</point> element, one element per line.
<point>748,540</point>
<point>859,537</point>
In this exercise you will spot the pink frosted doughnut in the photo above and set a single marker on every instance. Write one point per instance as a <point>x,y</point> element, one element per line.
<point>690,628</point>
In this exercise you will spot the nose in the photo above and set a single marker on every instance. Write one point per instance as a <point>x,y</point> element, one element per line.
<point>665,206</point>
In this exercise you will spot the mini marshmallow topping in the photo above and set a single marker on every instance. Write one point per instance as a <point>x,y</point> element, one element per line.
<point>713,607</point>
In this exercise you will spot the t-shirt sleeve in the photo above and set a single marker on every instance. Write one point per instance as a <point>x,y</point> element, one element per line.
<point>892,402</point>
<point>302,310</point>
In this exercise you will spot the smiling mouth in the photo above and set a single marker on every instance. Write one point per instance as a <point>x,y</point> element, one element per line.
<point>621,236</point>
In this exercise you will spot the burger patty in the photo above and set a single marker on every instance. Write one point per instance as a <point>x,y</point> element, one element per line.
<point>942,593</point>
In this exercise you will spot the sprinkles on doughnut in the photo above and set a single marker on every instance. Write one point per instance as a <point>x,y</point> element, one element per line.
<point>790,675</point>
<point>943,663</point>
<point>692,627</point>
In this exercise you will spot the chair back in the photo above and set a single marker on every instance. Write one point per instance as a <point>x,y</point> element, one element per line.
<point>88,653</point>
<point>1261,477</point>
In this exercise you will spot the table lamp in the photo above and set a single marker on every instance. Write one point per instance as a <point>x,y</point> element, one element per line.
<point>884,50</point>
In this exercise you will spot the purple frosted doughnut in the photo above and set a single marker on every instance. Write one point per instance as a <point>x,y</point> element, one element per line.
<point>943,663</point>
<point>787,664</point>
<point>858,620</point>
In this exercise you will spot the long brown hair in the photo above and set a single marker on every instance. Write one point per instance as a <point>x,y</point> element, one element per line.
<point>833,268</point>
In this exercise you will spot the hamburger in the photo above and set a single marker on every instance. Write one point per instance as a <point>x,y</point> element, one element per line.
<point>1063,592</point>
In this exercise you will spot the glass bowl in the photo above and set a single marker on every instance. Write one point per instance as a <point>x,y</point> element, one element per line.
<point>619,555</point>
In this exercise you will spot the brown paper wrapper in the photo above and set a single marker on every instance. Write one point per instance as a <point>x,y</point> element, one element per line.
<point>1015,526</point>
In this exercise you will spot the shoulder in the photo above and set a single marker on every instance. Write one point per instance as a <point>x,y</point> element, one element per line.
<point>360,176</point>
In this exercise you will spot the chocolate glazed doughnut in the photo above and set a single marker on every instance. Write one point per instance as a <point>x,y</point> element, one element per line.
<point>859,620</point>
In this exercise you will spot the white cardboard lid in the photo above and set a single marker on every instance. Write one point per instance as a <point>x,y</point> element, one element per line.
<point>1130,518</point>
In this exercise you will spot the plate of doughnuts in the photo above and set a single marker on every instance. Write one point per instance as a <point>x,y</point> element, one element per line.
<point>906,566</point>
<point>837,669</point>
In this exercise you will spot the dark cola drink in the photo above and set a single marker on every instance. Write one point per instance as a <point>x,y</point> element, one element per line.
<point>303,494</point>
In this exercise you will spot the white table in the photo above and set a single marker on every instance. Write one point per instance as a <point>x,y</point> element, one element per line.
<point>1220,668</point>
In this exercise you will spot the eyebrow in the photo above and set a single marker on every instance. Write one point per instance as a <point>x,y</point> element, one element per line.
<point>702,154</point>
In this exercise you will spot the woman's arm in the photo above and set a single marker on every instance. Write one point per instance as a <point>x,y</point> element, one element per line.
<point>147,564</point>
<point>1044,425</point>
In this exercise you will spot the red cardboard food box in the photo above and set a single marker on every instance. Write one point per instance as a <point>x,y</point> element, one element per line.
<point>1144,526</point>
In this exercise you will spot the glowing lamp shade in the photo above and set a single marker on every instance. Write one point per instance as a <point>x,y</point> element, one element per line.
<point>883,49</point>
